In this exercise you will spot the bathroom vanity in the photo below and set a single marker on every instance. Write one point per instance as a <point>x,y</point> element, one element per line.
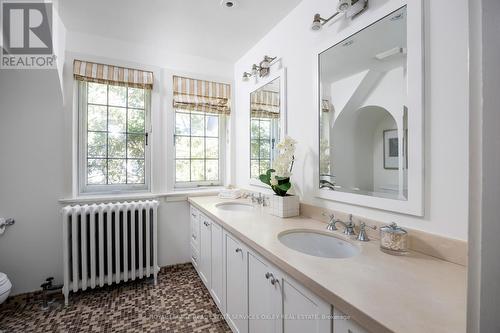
<point>251,273</point>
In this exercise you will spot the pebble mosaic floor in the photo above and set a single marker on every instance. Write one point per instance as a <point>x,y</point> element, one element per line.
<point>180,303</point>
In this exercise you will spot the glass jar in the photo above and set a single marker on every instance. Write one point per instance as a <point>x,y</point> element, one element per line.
<point>393,239</point>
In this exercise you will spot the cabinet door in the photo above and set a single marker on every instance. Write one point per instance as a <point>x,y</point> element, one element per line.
<point>204,263</point>
<point>304,311</point>
<point>217,263</point>
<point>264,296</point>
<point>345,325</point>
<point>236,285</point>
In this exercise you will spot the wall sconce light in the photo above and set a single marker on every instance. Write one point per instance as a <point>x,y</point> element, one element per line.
<point>350,8</point>
<point>266,63</point>
<point>318,21</point>
<point>261,70</point>
<point>246,76</point>
<point>255,69</point>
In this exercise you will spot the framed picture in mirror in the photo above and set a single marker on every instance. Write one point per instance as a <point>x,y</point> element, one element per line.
<point>391,153</point>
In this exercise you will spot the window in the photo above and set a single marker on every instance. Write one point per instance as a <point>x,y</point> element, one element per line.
<point>198,148</point>
<point>114,152</point>
<point>200,110</point>
<point>263,132</point>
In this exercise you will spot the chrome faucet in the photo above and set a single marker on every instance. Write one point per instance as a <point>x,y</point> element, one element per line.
<point>363,237</point>
<point>348,227</point>
<point>259,199</point>
<point>331,224</point>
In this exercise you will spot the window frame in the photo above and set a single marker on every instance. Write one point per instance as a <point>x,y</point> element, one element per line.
<point>83,187</point>
<point>274,139</point>
<point>221,159</point>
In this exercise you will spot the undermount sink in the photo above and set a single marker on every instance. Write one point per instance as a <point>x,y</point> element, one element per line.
<point>235,206</point>
<point>318,245</point>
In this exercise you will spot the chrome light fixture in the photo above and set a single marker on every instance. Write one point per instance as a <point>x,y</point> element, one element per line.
<point>255,69</point>
<point>261,70</point>
<point>350,8</point>
<point>266,63</point>
<point>343,6</point>
<point>319,22</point>
<point>246,76</point>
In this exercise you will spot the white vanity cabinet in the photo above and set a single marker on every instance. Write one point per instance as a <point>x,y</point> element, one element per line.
<point>246,286</point>
<point>303,311</point>
<point>217,265</point>
<point>236,275</point>
<point>205,258</point>
<point>195,236</point>
<point>264,296</point>
<point>207,254</point>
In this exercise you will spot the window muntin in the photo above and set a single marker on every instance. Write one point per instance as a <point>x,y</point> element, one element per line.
<point>263,134</point>
<point>198,141</point>
<point>114,137</point>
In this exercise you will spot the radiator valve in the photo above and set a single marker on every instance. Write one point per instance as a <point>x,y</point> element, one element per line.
<point>49,289</point>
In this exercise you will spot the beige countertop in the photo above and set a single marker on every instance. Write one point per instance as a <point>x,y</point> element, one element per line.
<point>384,293</point>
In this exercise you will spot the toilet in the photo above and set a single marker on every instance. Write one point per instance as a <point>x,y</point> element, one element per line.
<point>5,287</point>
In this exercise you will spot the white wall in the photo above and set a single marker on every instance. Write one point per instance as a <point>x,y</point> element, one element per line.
<point>484,270</point>
<point>446,130</point>
<point>38,153</point>
<point>31,169</point>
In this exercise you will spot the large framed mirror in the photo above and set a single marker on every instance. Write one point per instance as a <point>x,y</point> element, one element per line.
<point>267,122</point>
<point>370,115</point>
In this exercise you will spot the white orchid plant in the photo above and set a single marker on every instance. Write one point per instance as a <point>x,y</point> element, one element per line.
<point>279,177</point>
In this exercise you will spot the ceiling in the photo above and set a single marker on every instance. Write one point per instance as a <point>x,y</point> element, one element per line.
<point>194,27</point>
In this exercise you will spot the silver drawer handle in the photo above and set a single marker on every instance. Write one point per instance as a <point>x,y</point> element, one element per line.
<point>206,224</point>
<point>238,250</point>
<point>274,281</point>
<point>194,236</point>
<point>268,275</point>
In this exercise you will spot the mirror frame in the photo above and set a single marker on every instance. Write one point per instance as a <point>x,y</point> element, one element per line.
<point>414,205</point>
<point>279,72</point>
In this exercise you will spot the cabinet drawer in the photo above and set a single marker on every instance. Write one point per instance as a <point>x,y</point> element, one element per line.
<point>194,212</point>
<point>195,256</point>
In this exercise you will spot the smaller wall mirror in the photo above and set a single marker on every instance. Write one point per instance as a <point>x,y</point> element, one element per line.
<point>266,118</point>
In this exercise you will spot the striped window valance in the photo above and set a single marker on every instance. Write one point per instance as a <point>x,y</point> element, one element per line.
<point>265,104</point>
<point>108,74</point>
<point>325,105</point>
<point>202,96</point>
